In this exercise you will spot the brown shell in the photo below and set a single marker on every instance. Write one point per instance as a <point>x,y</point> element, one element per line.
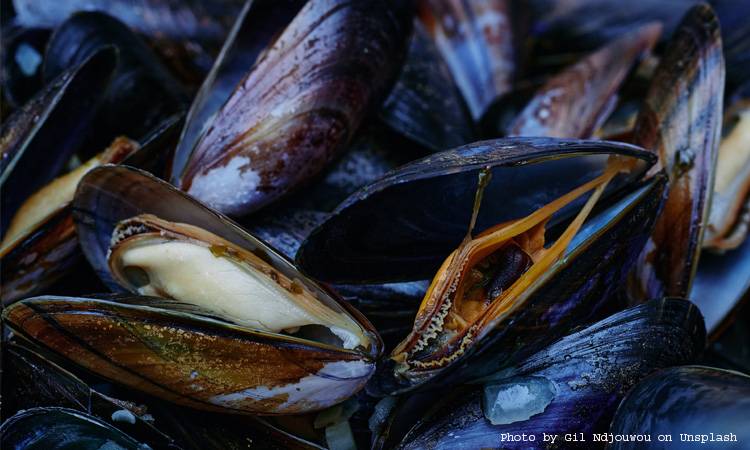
<point>189,359</point>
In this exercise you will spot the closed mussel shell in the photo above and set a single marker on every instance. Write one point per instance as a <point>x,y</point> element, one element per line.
<point>687,403</point>
<point>186,353</point>
<point>575,102</point>
<point>298,106</point>
<point>572,386</point>
<point>479,42</point>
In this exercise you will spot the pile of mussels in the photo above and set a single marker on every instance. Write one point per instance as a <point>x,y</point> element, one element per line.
<point>454,223</point>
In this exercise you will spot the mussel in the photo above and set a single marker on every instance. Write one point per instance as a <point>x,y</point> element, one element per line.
<point>504,275</point>
<point>425,105</point>
<point>681,122</point>
<point>570,388</point>
<point>141,93</point>
<point>694,405</point>
<point>235,328</point>
<point>40,243</point>
<point>298,107</point>
<point>574,103</point>
<point>61,428</point>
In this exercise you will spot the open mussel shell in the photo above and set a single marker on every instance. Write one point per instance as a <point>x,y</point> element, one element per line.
<point>61,428</point>
<point>191,359</point>
<point>687,403</point>
<point>281,373</point>
<point>574,103</point>
<point>40,245</point>
<point>139,84</point>
<point>40,138</point>
<point>425,105</point>
<point>572,386</point>
<point>575,291</point>
<point>298,107</point>
<point>402,226</point>
<point>681,122</point>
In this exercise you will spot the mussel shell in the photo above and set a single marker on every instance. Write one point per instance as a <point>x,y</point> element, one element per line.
<point>40,138</point>
<point>477,40</point>
<point>681,122</point>
<point>142,93</point>
<point>591,370</point>
<point>720,284</point>
<point>193,360</point>
<point>574,292</point>
<point>574,103</point>
<point>109,194</point>
<point>425,105</point>
<point>31,380</point>
<point>692,400</point>
<point>402,226</point>
<point>41,258</point>
<point>61,428</point>
<point>49,251</point>
<point>299,106</point>
<point>257,24</point>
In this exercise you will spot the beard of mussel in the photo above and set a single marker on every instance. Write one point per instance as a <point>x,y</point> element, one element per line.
<point>485,279</point>
<point>177,261</point>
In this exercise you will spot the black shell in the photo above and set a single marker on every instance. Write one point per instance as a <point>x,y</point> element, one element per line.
<point>39,139</point>
<point>61,428</point>
<point>576,291</point>
<point>692,400</point>
<point>591,370</point>
<point>141,94</point>
<point>402,226</point>
<point>425,105</point>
